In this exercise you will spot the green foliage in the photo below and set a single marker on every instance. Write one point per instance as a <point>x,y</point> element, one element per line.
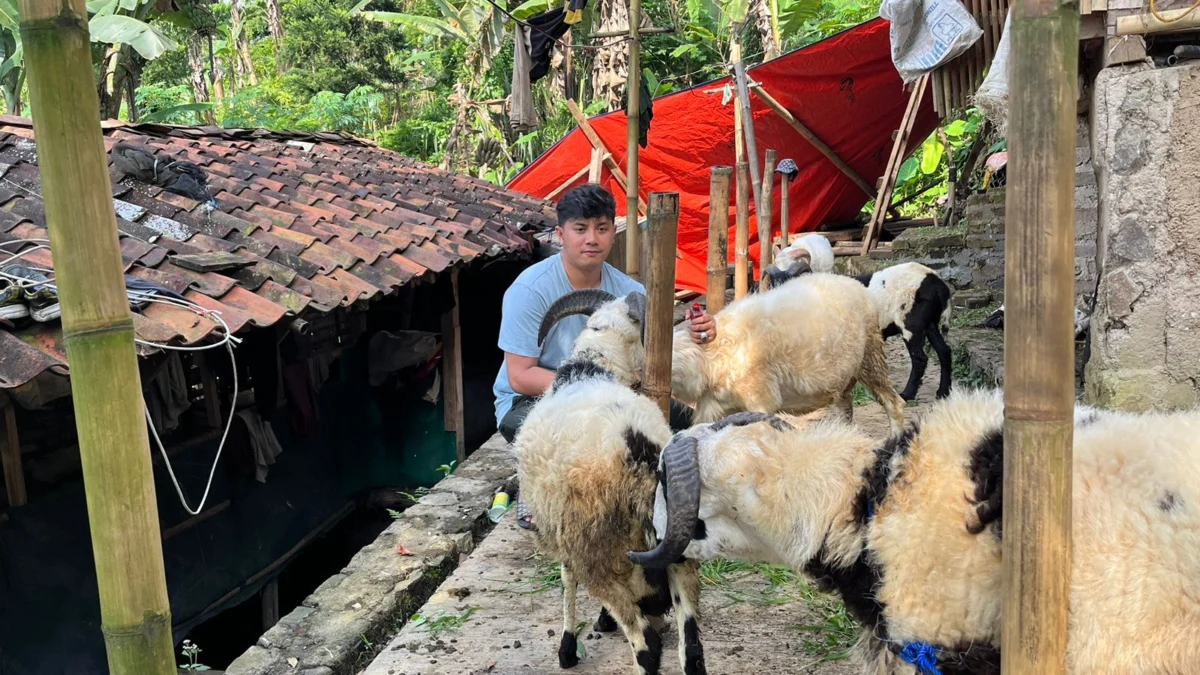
<point>192,651</point>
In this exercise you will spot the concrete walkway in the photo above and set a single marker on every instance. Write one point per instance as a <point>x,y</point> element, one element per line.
<point>500,611</point>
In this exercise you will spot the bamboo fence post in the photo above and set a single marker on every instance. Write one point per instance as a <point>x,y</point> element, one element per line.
<point>735,56</point>
<point>785,186</point>
<point>764,219</point>
<point>1039,337</point>
<point>741,240</point>
<point>135,614</point>
<point>743,92</point>
<point>718,237</point>
<point>662,230</point>
<point>633,93</point>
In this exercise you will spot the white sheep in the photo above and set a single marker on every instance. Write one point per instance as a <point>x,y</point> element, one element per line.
<point>797,348</point>
<point>588,456</point>
<point>909,532</point>
<point>808,252</point>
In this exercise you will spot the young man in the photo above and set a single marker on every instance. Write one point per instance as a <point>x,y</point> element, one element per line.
<point>587,232</point>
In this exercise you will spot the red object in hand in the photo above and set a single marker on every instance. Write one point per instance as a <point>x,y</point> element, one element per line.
<point>694,312</point>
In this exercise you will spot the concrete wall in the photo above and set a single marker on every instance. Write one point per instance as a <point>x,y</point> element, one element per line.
<point>1145,338</point>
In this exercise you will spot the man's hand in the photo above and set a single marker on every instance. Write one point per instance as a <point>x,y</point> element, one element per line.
<point>702,328</point>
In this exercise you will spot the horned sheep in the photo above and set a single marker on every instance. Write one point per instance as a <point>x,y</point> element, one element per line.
<point>910,531</point>
<point>799,347</point>
<point>588,456</point>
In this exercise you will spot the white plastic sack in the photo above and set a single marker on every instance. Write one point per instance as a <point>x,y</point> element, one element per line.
<point>927,33</point>
<point>992,97</point>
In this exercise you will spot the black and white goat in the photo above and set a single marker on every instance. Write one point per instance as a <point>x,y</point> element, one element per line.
<point>910,532</point>
<point>588,456</point>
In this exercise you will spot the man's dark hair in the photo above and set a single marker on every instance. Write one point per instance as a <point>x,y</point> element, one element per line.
<point>585,202</point>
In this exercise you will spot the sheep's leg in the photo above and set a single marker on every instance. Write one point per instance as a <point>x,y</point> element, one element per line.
<point>605,623</point>
<point>874,375</point>
<point>916,353</point>
<point>685,593</point>
<point>943,352</point>
<point>846,402</point>
<point>568,654</point>
<point>643,639</point>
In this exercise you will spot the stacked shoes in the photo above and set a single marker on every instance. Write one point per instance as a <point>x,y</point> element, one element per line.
<point>26,292</point>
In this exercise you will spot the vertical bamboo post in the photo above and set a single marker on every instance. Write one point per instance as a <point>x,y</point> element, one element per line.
<point>785,186</point>
<point>98,331</point>
<point>741,239</point>
<point>662,229</point>
<point>633,91</point>
<point>718,237</point>
<point>764,219</point>
<point>1038,337</point>
<point>735,56</point>
<point>743,92</point>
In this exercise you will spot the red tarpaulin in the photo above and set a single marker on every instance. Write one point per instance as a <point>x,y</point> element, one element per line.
<point>845,89</point>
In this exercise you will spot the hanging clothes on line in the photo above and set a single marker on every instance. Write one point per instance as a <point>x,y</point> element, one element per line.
<point>543,33</point>
<point>522,115</point>
<point>645,111</point>
<point>575,11</point>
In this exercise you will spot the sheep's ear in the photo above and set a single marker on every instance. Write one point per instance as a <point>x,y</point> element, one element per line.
<point>584,302</point>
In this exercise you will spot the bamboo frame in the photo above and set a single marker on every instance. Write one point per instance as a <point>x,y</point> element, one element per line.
<point>1039,341</point>
<point>821,146</point>
<point>743,94</point>
<point>633,95</point>
<point>785,186</point>
<point>598,144</point>
<point>662,232</point>
<point>741,240</point>
<point>596,165</point>
<point>1147,24</point>
<point>888,181</point>
<point>764,219</point>
<point>585,171</point>
<point>718,237</point>
<point>135,612</point>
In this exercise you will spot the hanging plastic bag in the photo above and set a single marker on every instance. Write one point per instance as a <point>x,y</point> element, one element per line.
<point>927,33</point>
<point>992,97</point>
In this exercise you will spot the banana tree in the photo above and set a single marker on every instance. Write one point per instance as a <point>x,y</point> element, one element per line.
<point>119,27</point>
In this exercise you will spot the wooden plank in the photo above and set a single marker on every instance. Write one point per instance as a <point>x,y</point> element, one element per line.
<point>571,181</point>
<point>812,138</point>
<point>661,234</point>
<point>718,237</point>
<point>194,520</point>
<point>884,197</point>
<point>1039,344</point>
<point>596,165</point>
<point>598,144</point>
<point>211,262</point>
<point>14,471</point>
<point>270,604</point>
<point>452,383</point>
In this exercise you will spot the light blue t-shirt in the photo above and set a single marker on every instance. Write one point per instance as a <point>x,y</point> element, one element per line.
<point>526,302</point>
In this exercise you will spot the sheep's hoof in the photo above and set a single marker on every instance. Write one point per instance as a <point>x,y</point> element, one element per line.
<point>605,623</point>
<point>908,396</point>
<point>568,651</point>
<point>942,393</point>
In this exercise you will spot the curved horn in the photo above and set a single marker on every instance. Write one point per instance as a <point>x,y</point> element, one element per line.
<point>681,464</point>
<point>577,302</point>
<point>637,310</point>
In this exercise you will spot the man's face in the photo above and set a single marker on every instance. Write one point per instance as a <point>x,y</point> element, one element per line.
<point>587,241</point>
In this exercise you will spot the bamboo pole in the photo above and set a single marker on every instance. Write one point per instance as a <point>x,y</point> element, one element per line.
<point>718,237</point>
<point>1146,24</point>
<point>741,240</point>
<point>735,56</point>
<point>135,614</point>
<point>662,230</point>
<point>743,92</point>
<point>764,219</point>
<point>633,93</point>
<point>1039,337</point>
<point>785,186</point>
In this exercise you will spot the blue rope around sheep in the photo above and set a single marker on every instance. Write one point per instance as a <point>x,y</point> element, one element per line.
<point>922,655</point>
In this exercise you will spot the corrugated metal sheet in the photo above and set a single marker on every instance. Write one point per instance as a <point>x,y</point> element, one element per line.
<point>328,219</point>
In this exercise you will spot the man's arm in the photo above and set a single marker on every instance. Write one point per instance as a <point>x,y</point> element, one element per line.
<point>525,376</point>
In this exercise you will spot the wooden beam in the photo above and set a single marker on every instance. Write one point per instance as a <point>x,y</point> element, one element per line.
<point>764,219</point>
<point>812,138</point>
<point>1039,340</point>
<point>14,472</point>
<point>741,240</point>
<point>743,92</point>
<point>884,197</point>
<point>662,230</point>
<point>270,604</point>
<point>596,166</point>
<point>452,373</point>
<point>194,520</point>
<point>570,181</point>
<point>598,144</point>
<point>1146,24</point>
<point>718,237</point>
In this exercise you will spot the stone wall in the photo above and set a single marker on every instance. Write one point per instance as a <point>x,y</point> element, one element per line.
<point>1145,338</point>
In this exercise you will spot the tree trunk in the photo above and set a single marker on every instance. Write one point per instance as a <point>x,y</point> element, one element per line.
<point>197,52</point>
<point>242,64</point>
<point>760,10</point>
<point>111,87</point>
<point>610,67</point>
<point>132,82</point>
<point>275,21</point>
<point>97,329</point>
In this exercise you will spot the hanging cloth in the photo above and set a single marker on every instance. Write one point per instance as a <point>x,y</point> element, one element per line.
<point>645,111</point>
<point>522,116</point>
<point>575,11</point>
<point>543,33</point>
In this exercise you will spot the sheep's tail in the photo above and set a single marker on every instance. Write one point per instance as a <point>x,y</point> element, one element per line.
<point>944,324</point>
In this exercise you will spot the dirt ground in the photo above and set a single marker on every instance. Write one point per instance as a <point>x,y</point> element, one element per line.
<point>500,611</point>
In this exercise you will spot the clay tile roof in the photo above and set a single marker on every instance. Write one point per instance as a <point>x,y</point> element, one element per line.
<point>323,219</point>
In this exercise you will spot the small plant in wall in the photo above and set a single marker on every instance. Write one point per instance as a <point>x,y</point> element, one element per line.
<point>447,469</point>
<point>191,651</point>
